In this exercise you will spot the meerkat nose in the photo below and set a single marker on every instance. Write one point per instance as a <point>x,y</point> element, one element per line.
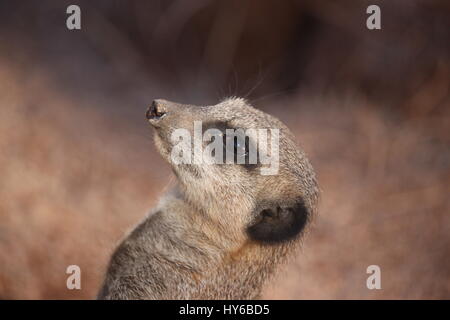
<point>156,111</point>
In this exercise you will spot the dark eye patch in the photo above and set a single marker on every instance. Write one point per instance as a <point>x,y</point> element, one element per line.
<point>245,146</point>
<point>220,125</point>
<point>241,151</point>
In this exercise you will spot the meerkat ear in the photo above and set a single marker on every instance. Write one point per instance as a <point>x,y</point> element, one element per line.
<point>277,223</point>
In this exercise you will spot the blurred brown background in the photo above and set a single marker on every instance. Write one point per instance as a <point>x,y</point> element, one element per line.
<point>371,108</point>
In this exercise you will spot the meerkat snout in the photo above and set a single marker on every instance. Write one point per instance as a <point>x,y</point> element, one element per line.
<point>245,193</point>
<point>157,110</point>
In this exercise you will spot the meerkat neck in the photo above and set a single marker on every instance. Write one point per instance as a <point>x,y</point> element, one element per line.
<point>198,218</point>
<point>224,258</point>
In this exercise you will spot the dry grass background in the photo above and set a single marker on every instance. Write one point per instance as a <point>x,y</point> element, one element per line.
<point>67,196</point>
<point>76,174</point>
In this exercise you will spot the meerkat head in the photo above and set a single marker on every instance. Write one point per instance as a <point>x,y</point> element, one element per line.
<point>239,166</point>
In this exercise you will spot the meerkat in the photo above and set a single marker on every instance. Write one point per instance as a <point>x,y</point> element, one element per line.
<point>224,229</point>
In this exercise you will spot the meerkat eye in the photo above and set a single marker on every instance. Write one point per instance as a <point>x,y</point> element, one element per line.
<point>238,145</point>
<point>239,148</point>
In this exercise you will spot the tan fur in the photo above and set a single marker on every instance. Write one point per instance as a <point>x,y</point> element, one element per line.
<point>196,244</point>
